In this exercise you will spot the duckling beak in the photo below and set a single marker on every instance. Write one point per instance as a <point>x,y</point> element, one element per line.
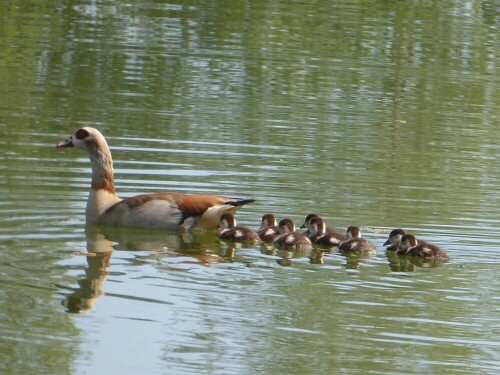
<point>388,242</point>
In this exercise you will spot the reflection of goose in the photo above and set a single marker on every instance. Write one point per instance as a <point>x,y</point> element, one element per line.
<point>197,248</point>
<point>172,211</point>
<point>91,288</point>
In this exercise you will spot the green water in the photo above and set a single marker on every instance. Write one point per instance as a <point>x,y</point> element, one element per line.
<point>379,114</point>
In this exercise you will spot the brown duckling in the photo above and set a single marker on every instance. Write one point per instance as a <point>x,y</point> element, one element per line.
<point>319,236</point>
<point>289,238</point>
<point>410,246</point>
<point>268,230</point>
<point>307,224</point>
<point>394,239</point>
<point>228,230</point>
<point>355,244</point>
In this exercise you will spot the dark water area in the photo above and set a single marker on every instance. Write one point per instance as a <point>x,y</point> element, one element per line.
<point>380,114</point>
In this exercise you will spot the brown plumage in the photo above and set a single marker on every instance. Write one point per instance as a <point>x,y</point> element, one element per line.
<point>291,239</point>
<point>319,236</point>
<point>268,230</point>
<point>307,223</point>
<point>394,239</point>
<point>411,247</point>
<point>355,244</point>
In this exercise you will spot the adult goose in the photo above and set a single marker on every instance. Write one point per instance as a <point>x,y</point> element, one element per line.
<point>170,211</point>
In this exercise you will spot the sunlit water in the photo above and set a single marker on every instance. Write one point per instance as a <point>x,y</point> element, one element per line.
<point>345,110</point>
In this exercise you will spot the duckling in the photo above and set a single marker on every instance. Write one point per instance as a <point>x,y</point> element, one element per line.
<point>355,244</point>
<point>268,230</point>
<point>291,239</point>
<point>394,239</point>
<point>230,231</point>
<point>319,236</point>
<point>307,224</point>
<point>410,246</point>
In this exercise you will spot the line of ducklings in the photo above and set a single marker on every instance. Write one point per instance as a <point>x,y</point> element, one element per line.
<point>284,235</point>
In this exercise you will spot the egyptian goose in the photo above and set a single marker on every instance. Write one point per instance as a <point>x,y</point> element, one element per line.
<point>268,230</point>
<point>410,246</point>
<point>355,244</point>
<point>171,211</point>
<point>228,230</point>
<point>291,239</point>
<point>319,236</point>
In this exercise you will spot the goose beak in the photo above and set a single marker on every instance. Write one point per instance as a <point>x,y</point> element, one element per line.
<point>66,143</point>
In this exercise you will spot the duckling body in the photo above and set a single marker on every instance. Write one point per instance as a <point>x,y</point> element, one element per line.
<point>291,239</point>
<point>356,244</point>
<point>230,231</point>
<point>411,247</point>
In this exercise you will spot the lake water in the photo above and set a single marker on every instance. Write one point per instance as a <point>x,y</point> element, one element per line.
<point>379,114</point>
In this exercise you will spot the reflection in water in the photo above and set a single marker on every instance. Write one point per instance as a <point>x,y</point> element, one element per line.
<point>403,263</point>
<point>317,255</point>
<point>353,261</point>
<point>91,288</point>
<point>200,247</point>
<point>202,96</point>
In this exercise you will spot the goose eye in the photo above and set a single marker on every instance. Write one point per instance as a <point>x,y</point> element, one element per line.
<point>81,134</point>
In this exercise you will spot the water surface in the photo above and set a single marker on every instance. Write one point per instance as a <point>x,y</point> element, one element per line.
<point>377,114</point>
